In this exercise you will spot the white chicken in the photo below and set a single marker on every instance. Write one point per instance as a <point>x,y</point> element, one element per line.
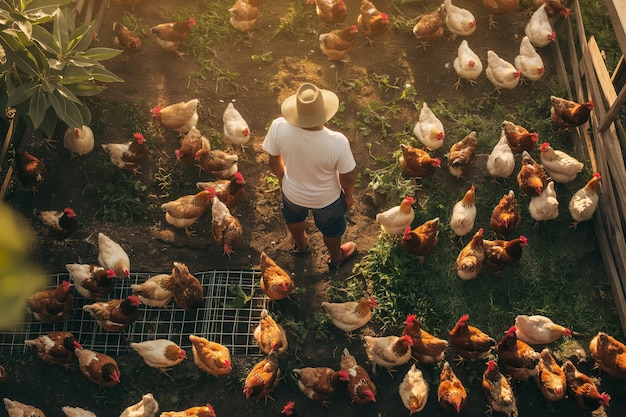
<point>458,20</point>
<point>236,129</point>
<point>156,291</point>
<point>538,29</point>
<point>429,129</point>
<point>388,351</point>
<point>396,219</point>
<point>147,407</point>
<point>467,64</point>
<point>79,140</point>
<point>112,256</point>
<point>501,161</point>
<point>538,330</point>
<point>585,201</point>
<point>500,72</point>
<point>561,167</point>
<point>18,409</point>
<point>414,390</point>
<point>160,354</point>
<point>464,214</point>
<point>77,412</point>
<point>545,206</point>
<point>528,61</point>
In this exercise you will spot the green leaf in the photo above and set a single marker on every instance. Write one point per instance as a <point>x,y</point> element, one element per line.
<point>43,7</point>
<point>86,89</point>
<point>21,93</point>
<point>104,75</point>
<point>26,27</point>
<point>241,298</point>
<point>59,30</point>
<point>71,74</point>
<point>49,123</point>
<point>37,108</point>
<point>66,93</point>
<point>100,53</point>
<point>66,110</point>
<point>45,39</point>
<point>80,39</point>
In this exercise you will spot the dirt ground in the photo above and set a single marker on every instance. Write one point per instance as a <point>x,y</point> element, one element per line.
<point>156,77</point>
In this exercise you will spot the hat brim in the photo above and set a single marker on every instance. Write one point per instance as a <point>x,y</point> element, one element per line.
<point>289,110</point>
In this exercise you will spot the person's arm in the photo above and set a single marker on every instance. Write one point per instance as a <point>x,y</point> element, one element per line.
<point>348,182</point>
<point>277,167</point>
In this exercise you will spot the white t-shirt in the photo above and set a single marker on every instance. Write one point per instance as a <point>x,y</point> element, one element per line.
<point>313,161</point>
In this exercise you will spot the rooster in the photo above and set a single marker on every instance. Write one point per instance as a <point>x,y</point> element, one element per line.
<point>531,178</point>
<point>414,390</point>
<point>79,140</point>
<point>229,192</point>
<point>190,144</point>
<point>461,155</point>
<point>584,202</point>
<point>226,228</point>
<point>416,162</point>
<point>501,73</point>
<point>561,167</point>
<point>179,117</point>
<point>350,315</point>
<point>321,383</point>
<point>421,240</point>
<point>211,357</point>
<point>546,206</point>
<point>188,291</point>
<point>337,43</point>
<point>276,283</point>
<point>270,335</point>
<point>331,11</point>
<point>394,220</point>
<point>18,409</point>
<point>160,354</point>
<point>91,281</point>
<point>550,377</point>
<point>371,22</point>
<point>497,7</point>
<point>217,163</point>
<point>430,26</point>
<point>59,225</point>
<point>459,21</point>
<point>467,64</point>
<point>244,14</point>
<point>156,291</point>
<point>498,390</point>
<point>31,171</point>
<point>128,155</point>
<point>505,217</point>
<point>470,342</point>
<point>451,393</point>
<point>539,330</point>
<point>539,29</point>
<point>183,212</point>
<point>170,36</point>
<point>567,113</point>
<point>388,351</point>
<point>502,253</point>
<point>114,315</point>
<point>55,347</point>
<point>99,368</point>
<point>470,260</point>
<point>146,407</point>
<point>236,128</point>
<point>519,358</point>
<point>263,378</point>
<point>464,214</point>
<point>609,354</point>
<point>429,129</point>
<point>52,306</point>
<point>501,161</point>
<point>360,387</point>
<point>518,137</point>
<point>582,390</point>
<point>126,39</point>
<point>528,61</point>
<point>426,348</point>
<point>111,255</point>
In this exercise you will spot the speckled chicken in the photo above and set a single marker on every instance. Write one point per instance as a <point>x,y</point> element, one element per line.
<point>114,315</point>
<point>394,220</point>
<point>609,354</point>
<point>321,383</point>
<point>539,29</point>
<point>52,306</point>
<point>170,36</point>
<point>502,253</point>
<point>79,140</point>
<point>129,155</point>
<point>276,283</point>
<point>464,214</point>
<point>337,43</point>
<point>360,387</point>
<point>188,291</point>
<point>331,11</point>
<point>179,117</point>
<point>422,240</point>
<point>451,393</point>
<point>55,348</point>
<point>371,22</point>
<point>31,171</point>
<point>538,329</point>
<point>470,260</point>
<point>217,163</point>
<point>58,224</point>
<point>417,162</point>
<point>429,129</point>
<point>426,348</point>
<point>156,291</point>
<point>531,178</point>
<point>567,113</point>
<point>470,342</point>
<point>229,192</point>
<point>414,390</point>
<point>499,393</point>
<point>519,358</point>
<point>430,26</point>
<point>561,167</point>
<point>518,137</point>
<point>582,390</point>
<point>183,212</point>
<point>462,154</point>
<point>263,378</point>
<point>550,377</point>
<point>270,335</point>
<point>350,315</point>
<point>226,228</point>
<point>505,217</point>
<point>91,281</point>
<point>501,73</point>
<point>160,354</point>
<point>467,64</point>
<point>99,368</point>
<point>528,61</point>
<point>584,202</point>
<point>211,357</point>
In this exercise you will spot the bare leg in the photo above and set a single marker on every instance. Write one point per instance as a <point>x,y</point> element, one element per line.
<point>334,248</point>
<point>298,232</point>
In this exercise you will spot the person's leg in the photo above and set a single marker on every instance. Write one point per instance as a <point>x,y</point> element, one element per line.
<point>295,217</point>
<point>334,248</point>
<point>298,232</point>
<point>332,223</point>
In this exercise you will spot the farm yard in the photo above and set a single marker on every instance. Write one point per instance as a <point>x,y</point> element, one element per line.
<point>381,89</point>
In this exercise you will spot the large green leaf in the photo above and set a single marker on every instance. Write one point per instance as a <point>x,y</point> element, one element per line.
<point>65,92</point>
<point>26,27</point>
<point>49,123</point>
<point>66,110</point>
<point>100,53</point>
<point>59,30</point>
<point>37,107</point>
<point>86,89</point>
<point>80,39</point>
<point>40,8</point>
<point>45,39</point>
<point>104,75</point>
<point>71,74</point>
<point>21,93</point>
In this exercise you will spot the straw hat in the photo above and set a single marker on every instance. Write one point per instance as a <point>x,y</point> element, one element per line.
<point>310,106</point>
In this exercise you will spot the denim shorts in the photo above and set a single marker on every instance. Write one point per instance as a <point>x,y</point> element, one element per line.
<point>330,220</point>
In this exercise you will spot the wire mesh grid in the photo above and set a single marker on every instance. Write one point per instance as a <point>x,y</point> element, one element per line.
<point>215,320</point>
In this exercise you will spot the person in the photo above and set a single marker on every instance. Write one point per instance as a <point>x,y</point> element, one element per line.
<point>315,168</point>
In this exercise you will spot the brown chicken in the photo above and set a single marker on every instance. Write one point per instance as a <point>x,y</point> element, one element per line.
<point>582,390</point>
<point>430,26</point>
<point>417,162</point>
<point>179,117</point>
<point>270,335</point>
<point>185,211</point>
<point>550,377</point>
<point>98,367</point>
<point>115,315</point>
<point>502,253</point>
<point>331,11</point>
<point>469,341</point>
<point>554,8</point>
<point>170,36</point>
<point>188,292</point>
<point>229,192</point>
<point>518,137</point>
<point>451,393</point>
<point>519,358</point>
<point>199,411</point>
<point>609,354</point>
<point>337,43</point>
<point>567,113</point>
<point>226,228</point>
<point>422,240</point>
<point>372,22</point>
<point>360,387</point>
<point>321,383</point>
<point>470,260</point>
<point>263,378</point>
<point>126,39</point>
<point>350,315</point>
<point>56,347</point>
<point>531,178</point>
<point>160,354</point>
<point>156,291</point>
<point>505,217</point>
<point>461,155</point>
<point>275,282</point>
<point>211,357</point>
<point>191,143</point>
<point>499,393</point>
<point>426,348</point>
<point>51,306</point>
<point>129,155</point>
<point>217,163</point>
<point>496,7</point>
<point>31,171</point>
<point>244,14</point>
<point>58,224</point>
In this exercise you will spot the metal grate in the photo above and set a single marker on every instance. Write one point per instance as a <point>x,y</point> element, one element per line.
<point>214,321</point>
